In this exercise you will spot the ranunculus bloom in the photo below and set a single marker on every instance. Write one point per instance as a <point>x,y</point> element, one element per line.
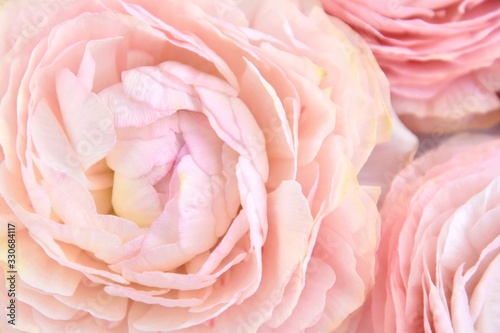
<point>439,255</point>
<point>187,166</point>
<point>442,57</point>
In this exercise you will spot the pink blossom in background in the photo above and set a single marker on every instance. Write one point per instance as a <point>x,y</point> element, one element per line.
<point>189,166</point>
<point>442,58</point>
<point>439,256</point>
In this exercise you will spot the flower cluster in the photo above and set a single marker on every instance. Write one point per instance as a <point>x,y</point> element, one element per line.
<point>249,166</point>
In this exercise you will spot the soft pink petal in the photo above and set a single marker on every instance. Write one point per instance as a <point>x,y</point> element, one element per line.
<point>43,273</point>
<point>51,143</point>
<point>135,199</point>
<point>312,299</point>
<point>87,122</point>
<point>235,125</point>
<point>136,158</point>
<point>197,221</point>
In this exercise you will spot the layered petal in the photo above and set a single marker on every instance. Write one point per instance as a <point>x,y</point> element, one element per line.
<point>435,249</point>
<point>441,58</point>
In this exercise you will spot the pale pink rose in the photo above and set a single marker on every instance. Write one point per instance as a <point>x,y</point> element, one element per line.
<point>439,256</point>
<point>187,166</point>
<point>442,57</point>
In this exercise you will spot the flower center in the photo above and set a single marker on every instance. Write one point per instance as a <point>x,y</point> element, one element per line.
<point>168,162</point>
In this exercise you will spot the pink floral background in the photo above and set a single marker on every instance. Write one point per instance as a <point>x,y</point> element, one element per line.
<point>249,166</point>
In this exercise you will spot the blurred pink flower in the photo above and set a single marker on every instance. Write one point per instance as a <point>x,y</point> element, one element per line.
<point>442,57</point>
<point>187,166</point>
<point>439,256</point>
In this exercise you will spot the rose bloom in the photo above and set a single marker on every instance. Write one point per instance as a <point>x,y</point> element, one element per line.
<point>439,256</point>
<point>442,57</point>
<point>186,166</point>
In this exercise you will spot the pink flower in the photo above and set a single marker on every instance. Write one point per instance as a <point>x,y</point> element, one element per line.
<point>439,257</point>
<point>187,166</point>
<point>442,58</point>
